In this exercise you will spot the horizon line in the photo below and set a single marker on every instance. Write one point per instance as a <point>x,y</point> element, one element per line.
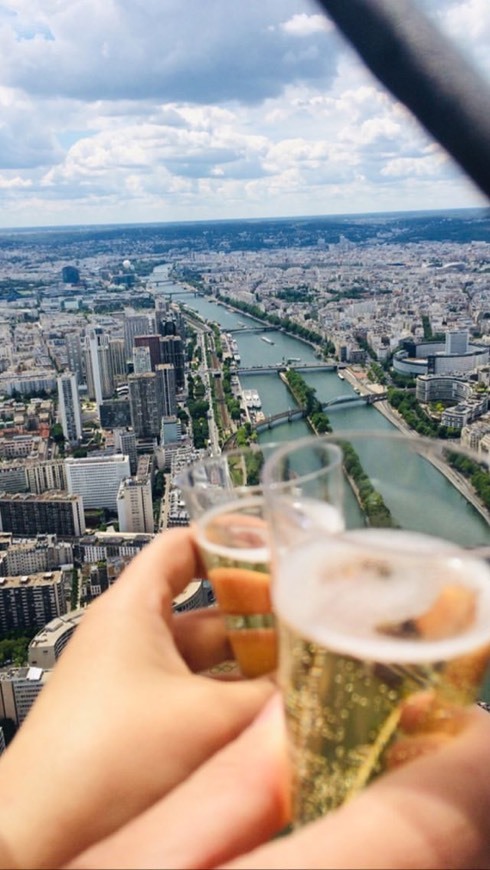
<point>337,216</point>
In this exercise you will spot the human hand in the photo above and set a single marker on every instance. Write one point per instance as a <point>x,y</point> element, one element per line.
<point>122,719</point>
<point>428,814</point>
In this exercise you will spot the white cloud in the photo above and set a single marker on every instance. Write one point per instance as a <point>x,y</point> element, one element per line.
<point>166,110</point>
<point>302,24</point>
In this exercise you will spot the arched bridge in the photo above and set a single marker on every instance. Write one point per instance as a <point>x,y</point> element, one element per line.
<point>282,367</point>
<point>297,413</point>
<point>368,398</point>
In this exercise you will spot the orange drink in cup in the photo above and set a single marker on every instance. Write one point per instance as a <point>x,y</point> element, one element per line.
<point>233,539</point>
<point>224,498</point>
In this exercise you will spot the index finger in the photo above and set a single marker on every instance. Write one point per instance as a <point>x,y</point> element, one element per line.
<point>165,567</point>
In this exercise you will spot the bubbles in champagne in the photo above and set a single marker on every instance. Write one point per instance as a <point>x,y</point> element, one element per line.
<point>386,596</point>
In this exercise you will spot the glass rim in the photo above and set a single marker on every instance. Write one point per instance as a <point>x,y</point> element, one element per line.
<point>418,444</point>
<point>274,486</point>
<point>181,480</point>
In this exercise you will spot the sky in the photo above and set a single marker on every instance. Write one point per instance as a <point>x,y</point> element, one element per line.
<point>129,111</point>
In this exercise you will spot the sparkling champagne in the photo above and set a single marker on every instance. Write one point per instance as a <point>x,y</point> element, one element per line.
<point>383,641</point>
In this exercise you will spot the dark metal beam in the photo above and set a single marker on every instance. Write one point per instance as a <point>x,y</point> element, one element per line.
<point>426,72</point>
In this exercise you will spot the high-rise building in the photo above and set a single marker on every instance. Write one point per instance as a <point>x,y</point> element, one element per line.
<point>162,309</point>
<point>115,413</point>
<point>141,359</point>
<point>98,364</point>
<point>166,387</point>
<point>169,318</point>
<point>31,600</point>
<point>117,358</point>
<point>145,403</point>
<point>74,355</point>
<point>69,407</point>
<point>27,515</point>
<point>45,476</point>
<point>125,443</point>
<point>97,479</point>
<point>152,342</point>
<point>457,341</point>
<point>135,505</point>
<point>170,439</point>
<point>172,351</point>
<point>136,324</point>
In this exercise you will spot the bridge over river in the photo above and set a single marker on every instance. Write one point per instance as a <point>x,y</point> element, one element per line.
<point>298,413</point>
<point>284,366</point>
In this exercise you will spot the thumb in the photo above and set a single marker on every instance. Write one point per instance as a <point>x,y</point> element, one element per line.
<point>234,802</point>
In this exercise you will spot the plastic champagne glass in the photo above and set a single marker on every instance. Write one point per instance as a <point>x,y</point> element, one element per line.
<point>385,626</point>
<point>225,500</point>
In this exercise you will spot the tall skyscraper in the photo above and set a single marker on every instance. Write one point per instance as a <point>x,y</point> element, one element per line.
<point>145,404</point>
<point>97,479</point>
<point>97,359</point>
<point>136,324</point>
<point>74,355</point>
<point>125,443</point>
<point>169,318</point>
<point>166,389</point>
<point>69,407</point>
<point>141,359</point>
<point>117,356</point>
<point>152,342</point>
<point>172,351</point>
<point>135,506</point>
<point>162,308</point>
<point>115,413</point>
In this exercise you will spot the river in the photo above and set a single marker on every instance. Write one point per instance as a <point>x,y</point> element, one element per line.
<point>468,527</point>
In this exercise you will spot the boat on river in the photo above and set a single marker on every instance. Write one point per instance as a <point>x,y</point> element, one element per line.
<point>267,340</point>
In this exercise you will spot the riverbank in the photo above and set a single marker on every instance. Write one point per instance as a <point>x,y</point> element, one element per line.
<point>457,480</point>
<point>265,322</point>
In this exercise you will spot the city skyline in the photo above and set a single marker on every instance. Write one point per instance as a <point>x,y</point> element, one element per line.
<point>114,114</point>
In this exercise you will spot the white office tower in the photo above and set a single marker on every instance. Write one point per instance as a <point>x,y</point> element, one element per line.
<point>136,324</point>
<point>97,479</point>
<point>98,363</point>
<point>135,505</point>
<point>141,360</point>
<point>167,390</point>
<point>69,407</point>
<point>457,341</point>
